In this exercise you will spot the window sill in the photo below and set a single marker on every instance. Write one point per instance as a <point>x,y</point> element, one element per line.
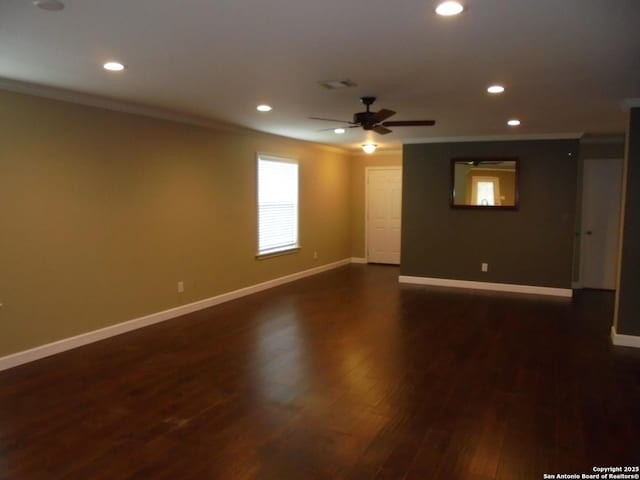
<point>277,253</point>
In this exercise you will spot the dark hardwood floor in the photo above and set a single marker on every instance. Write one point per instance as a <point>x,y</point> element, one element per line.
<point>345,375</point>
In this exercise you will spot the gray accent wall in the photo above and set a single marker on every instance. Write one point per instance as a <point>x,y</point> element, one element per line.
<point>628,321</point>
<point>529,246</point>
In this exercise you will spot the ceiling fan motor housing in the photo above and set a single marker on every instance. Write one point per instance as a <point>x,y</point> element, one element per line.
<point>367,101</point>
<point>365,119</point>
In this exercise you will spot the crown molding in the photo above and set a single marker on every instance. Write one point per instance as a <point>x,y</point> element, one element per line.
<point>391,151</point>
<point>603,139</point>
<point>630,103</point>
<point>106,103</point>
<point>497,138</point>
<point>378,152</point>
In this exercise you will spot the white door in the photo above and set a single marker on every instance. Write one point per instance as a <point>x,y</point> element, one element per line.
<point>384,208</point>
<point>601,197</point>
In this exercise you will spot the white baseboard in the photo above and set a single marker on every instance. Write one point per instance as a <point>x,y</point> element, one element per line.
<point>496,287</point>
<point>49,349</point>
<point>358,260</point>
<point>624,340</point>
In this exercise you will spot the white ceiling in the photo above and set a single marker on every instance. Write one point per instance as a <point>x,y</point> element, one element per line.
<point>568,65</point>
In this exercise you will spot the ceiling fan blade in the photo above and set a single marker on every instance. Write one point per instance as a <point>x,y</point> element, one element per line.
<point>410,123</point>
<point>383,115</point>
<point>381,130</point>
<point>329,119</point>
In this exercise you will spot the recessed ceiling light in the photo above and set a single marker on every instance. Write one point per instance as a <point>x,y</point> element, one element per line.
<point>513,122</point>
<point>495,89</point>
<point>50,5</point>
<point>339,130</point>
<point>369,147</point>
<point>447,9</point>
<point>264,108</point>
<point>113,66</point>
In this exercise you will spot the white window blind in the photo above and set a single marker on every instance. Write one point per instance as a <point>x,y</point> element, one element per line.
<point>277,204</point>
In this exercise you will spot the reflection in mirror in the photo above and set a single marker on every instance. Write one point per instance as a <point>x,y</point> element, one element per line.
<point>484,183</point>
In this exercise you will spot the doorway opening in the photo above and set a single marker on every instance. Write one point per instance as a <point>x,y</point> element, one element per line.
<point>600,225</point>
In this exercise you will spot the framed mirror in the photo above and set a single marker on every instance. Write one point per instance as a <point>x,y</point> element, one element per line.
<point>485,183</point>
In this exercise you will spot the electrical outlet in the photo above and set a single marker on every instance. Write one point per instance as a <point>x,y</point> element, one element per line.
<point>315,255</point>
<point>484,267</point>
<point>180,286</point>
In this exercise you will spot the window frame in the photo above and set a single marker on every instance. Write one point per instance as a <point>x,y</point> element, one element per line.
<point>274,252</point>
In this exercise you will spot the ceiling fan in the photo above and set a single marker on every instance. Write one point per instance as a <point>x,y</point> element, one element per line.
<point>376,120</point>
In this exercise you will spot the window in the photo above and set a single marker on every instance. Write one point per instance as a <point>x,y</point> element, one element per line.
<point>277,204</point>
<point>485,191</point>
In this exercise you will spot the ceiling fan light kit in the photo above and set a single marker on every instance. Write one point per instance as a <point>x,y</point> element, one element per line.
<point>369,147</point>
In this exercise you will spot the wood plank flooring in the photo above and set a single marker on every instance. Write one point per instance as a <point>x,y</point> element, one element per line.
<point>345,375</point>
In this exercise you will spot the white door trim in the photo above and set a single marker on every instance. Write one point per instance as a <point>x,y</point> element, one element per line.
<point>366,202</point>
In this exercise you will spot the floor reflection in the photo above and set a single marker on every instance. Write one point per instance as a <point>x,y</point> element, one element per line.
<point>280,359</point>
<point>343,375</point>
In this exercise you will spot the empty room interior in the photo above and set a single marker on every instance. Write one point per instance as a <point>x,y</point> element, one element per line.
<point>333,240</point>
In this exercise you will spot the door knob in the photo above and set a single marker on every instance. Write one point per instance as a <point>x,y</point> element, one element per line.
<point>588,232</point>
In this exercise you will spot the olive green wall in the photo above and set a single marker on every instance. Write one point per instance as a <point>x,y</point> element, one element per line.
<point>359,164</point>
<point>530,246</point>
<point>102,213</point>
<point>627,319</point>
